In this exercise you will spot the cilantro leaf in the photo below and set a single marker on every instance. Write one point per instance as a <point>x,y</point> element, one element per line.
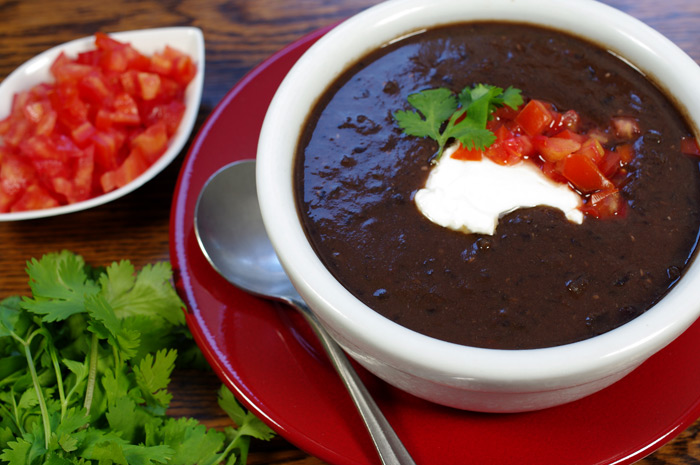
<point>435,107</point>
<point>18,452</point>
<point>152,375</point>
<point>243,418</point>
<point>442,116</point>
<point>60,286</point>
<point>148,292</point>
<point>192,442</point>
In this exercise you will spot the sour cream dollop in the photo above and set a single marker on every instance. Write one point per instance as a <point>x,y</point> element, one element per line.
<point>471,196</point>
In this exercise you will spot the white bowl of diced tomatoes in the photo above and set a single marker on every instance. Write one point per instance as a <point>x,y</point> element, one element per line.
<point>89,121</point>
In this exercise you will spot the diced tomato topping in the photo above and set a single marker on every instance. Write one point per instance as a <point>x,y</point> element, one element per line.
<point>690,146</point>
<point>570,134</point>
<point>534,118</point>
<point>555,148</point>
<point>108,115</point>
<point>605,204</point>
<point>566,149</point>
<point>625,128</point>
<point>503,152</point>
<point>593,149</point>
<point>520,146</point>
<point>610,163</point>
<point>570,120</point>
<point>467,154</point>
<point>584,174</point>
<point>599,135</point>
<point>626,152</point>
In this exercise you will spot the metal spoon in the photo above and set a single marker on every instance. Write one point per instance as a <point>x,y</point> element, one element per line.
<point>230,231</point>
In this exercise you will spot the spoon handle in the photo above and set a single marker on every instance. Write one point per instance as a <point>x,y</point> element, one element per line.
<point>390,448</point>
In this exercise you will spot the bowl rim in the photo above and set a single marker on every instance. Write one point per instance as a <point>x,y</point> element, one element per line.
<point>35,70</point>
<point>606,354</point>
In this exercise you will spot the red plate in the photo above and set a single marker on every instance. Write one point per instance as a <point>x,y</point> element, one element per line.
<point>266,355</point>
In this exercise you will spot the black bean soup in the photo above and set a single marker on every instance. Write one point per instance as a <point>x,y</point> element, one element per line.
<point>540,280</point>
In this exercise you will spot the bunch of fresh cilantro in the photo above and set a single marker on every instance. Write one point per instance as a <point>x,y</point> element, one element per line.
<point>85,363</point>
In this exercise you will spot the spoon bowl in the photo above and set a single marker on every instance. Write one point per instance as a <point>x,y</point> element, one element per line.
<point>232,236</point>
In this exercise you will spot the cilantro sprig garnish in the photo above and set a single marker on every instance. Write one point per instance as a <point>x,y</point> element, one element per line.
<point>444,116</point>
<point>85,364</point>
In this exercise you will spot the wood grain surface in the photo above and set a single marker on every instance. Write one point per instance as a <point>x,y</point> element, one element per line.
<point>239,34</point>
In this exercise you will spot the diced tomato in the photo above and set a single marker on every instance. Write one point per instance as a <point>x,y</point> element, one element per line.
<point>53,147</point>
<point>16,131</point>
<point>65,70</point>
<point>91,57</point>
<point>584,174</point>
<point>95,88</point>
<point>119,56</point>
<point>606,204</point>
<point>161,64</point>
<point>592,149</point>
<point>554,148</point>
<point>499,152</point>
<point>6,201</point>
<point>126,111</point>
<point>571,120</point>
<point>171,113</point>
<point>129,82</point>
<point>534,118</point>
<point>690,146</point>
<point>183,68</point>
<point>35,197</point>
<point>15,174</point>
<point>626,152</point>
<point>599,135</point>
<point>169,90</point>
<point>70,109</point>
<point>553,172</point>
<point>108,144</point>
<point>149,85</point>
<point>132,167</point>
<point>519,146</point>
<point>78,186</point>
<point>37,110</point>
<point>502,133</point>
<point>83,133</point>
<point>467,154</point>
<point>625,128</point>
<point>570,134</point>
<point>152,142</point>
<point>610,163</point>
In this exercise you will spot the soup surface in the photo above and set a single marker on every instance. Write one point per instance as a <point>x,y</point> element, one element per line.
<point>540,280</point>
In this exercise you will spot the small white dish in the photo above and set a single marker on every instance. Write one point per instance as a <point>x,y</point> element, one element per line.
<point>189,40</point>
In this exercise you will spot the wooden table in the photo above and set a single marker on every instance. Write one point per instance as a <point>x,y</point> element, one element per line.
<point>239,34</point>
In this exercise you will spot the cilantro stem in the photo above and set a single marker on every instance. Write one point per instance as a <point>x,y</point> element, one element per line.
<point>37,386</point>
<point>92,374</point>
<point>57,369</point>
<point>244,442</point>
<point>5,412</point>
<point>445,136</point>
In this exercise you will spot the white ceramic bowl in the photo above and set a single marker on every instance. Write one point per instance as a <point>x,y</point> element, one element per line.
<point>148,41</point>
<point>459,376</point>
